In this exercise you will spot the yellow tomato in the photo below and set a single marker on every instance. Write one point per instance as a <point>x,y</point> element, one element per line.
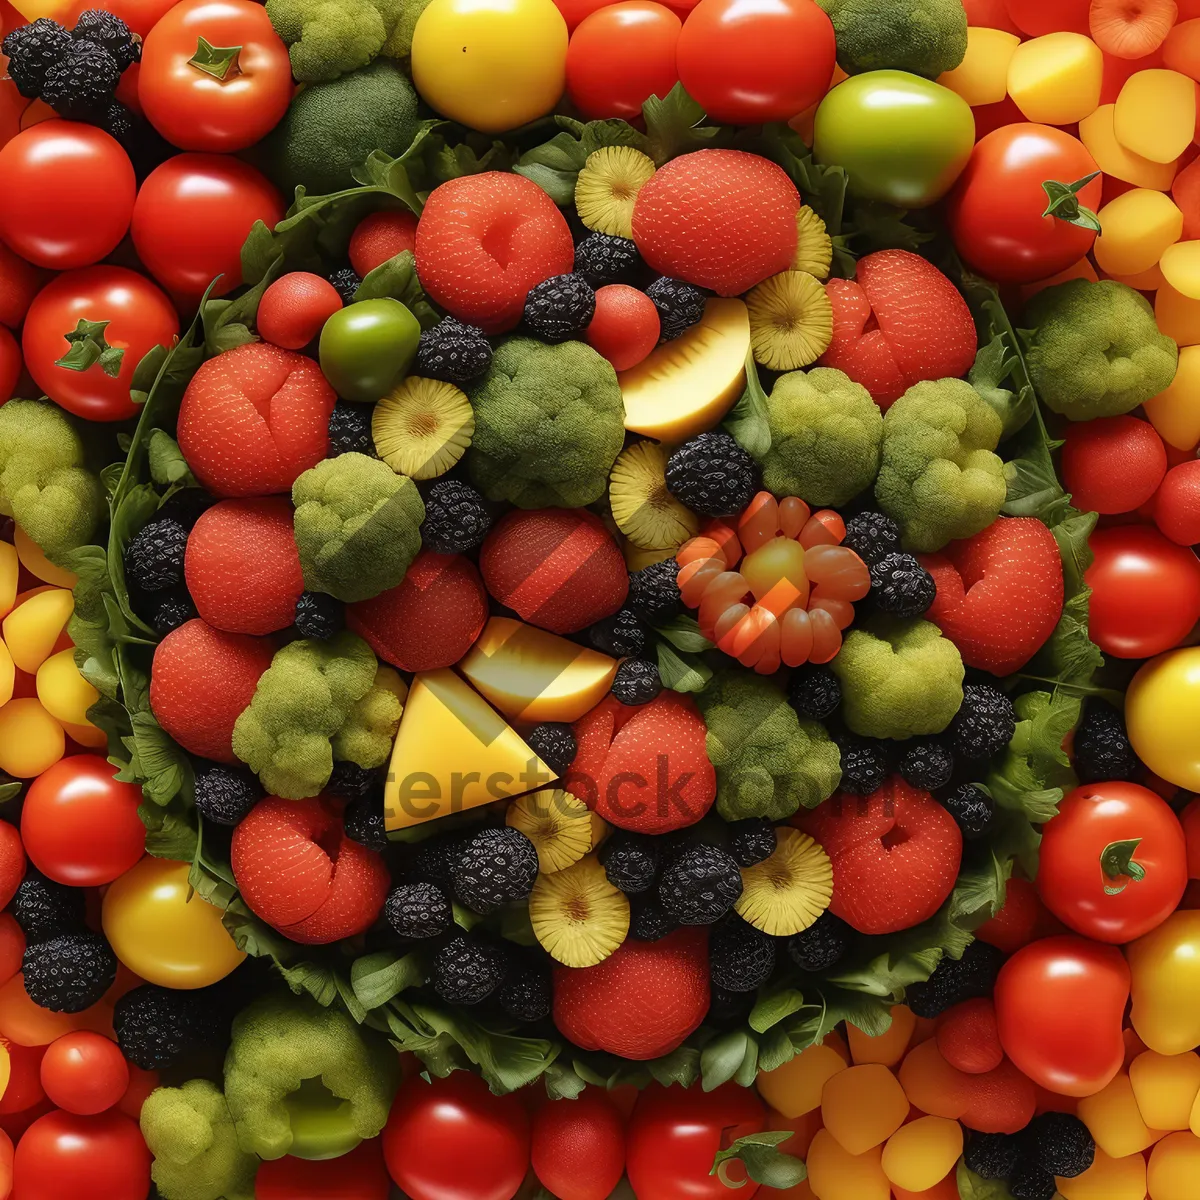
<point>1165,984</point>
<point>1162,712</point>
<point>491,64</point>
<point>161,935</point>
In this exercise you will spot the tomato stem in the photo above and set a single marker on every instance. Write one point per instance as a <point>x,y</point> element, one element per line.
<point>1117,863</point>
<point>218,61</point>
<point>88,347</point>
<point>1063,202</point>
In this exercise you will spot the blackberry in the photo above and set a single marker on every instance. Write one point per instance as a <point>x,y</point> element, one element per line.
<point>70,971</point>
<point>726,1007</point>
<point>453,352</point>
<point>751,840</point>
<point>527,993</point>
<point>901,586</point>
<point>456,518</point>
<point>637,681</point>
<point>814,691</point>
<point>44,908</point>
<point>680,306</point>
<point>32,50</point>
<point>993,1155</point>
<point>466,971</point>
<point>432,861</point>
<point>171,609</point>
<point>1102,747</point>
<point>984,723</point>
<point>926,763</point>
<point>345,282</point>
<point>560,308</point>
<point>605,258</point>
<point>82,81</point>
<point>620,635</point>
<point>554,743</point>
<point>712,475</point>
<point>821,945</point>
<point>654,591</point>
<point>418,910</point>
<point>1061,1144</point>
<point>108,30</point>
<point>348,781</point>
<point>630,861</point>
<point>319,616</point>
<point>1031,1182</point>
<point>224,795</point>
<point>864,763</point>
<point>154,556</point>
<point>872,536</point>
<point>350,429</point>
<point>648,920</point>
<point>158,1026</point>
<point>701,885</point>
<point>498,865</point>
<point>971,808</point>
<point>364,823</point>
<point>740,957</point>
<point>955,980</point>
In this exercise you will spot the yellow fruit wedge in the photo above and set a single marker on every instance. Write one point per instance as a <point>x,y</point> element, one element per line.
<point>1098,133</point>
<point>1180,265</point>
<point>1156,114</point>
<point>982,76</point>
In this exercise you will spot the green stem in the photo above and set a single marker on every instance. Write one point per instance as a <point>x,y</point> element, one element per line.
<point>1118,864</point>
<point>1062,201</point>
<point>218,61</point>
<point>88,347</point>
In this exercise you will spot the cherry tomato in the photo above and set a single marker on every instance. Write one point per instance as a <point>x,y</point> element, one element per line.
<point>67,195</point>
<point>192,216</point>
<point>620,56</point>
<point>1113,863</point>
<point>746,61</point>
<point>137,317</point>
<point>674,1134</point>
<point>997,210</point>
<point>451,1139</point>
<point>1145,591</point>
<point>359,1175</point>
<point>1060,1003</point>
<point>229,104</point>
<point>64,1157</point>
<point>84,1072</point>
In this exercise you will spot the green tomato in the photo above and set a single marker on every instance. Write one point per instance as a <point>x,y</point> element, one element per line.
<point>322,1124</point>
<point>368,347</point>
<point>902,139</point>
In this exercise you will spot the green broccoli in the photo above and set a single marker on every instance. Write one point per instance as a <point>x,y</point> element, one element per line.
<point>825,437</point>
<point>305,1080</point>
<point>549,423</point>
<point>357,526</point>
<point>195,1146</point>
<point>332,128</point>
<point>366,737</point>
<point>926,37</point>
<point>1095,350</point>
<point>399,43</point>
<point>769,761</point>
<point>327,38</point>
<point>939,478</point>
<point>44,485</point>
<point>899,678</point>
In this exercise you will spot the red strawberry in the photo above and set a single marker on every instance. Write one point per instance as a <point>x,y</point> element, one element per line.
<point>1015,922</point>
<point>641,1001</point>
<point>1004,595</point>
<point>577,1147</point>
<point>895,855</point>
<point>1000,1101</point>
<point>242,566</point>
<point>644,768</point>
<point>557,568</point>
<point>201,680</point>
<point>380,236</point>
<point>899,321</point>
<point>721,219</point>
<point>967,1037</point>
<point>430,619</point>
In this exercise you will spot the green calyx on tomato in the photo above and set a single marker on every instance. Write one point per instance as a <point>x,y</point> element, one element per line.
<point>322,1124</point>
<point>218,61</point>
<point>1063,202</point>
<point>88,348</point>
<point>368,347</point>
<point>1117,863</point>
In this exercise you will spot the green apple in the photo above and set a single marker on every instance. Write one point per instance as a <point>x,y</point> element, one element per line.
<point>367,348</point>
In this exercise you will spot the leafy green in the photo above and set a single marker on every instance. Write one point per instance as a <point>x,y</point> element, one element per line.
<point>674,126</point>
<point>1034,771</point>
<point>765,1163</point>
<point>397,279</point>
<point>975,1187</point>
<point>555,164</point>
<point>747,421</point>
<point>681,672</point>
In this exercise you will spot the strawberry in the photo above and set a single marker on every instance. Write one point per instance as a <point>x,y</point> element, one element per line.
<point>1000,1101</point>
<point>1004,595</point>
<point>967,1037</point>
<point>641,1001</point>
<point>899,321</point>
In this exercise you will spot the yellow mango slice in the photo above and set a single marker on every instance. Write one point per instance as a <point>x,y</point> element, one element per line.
<point>1180,265</point>
<point>890,1046</point>
<point>34,560</point>
<point>1143,281</point>
<point>1175,413</point>
<point>1098,133</point>
<point>1108,1179</point>
<point>10,572</point>
<point>1174,1167</point>
<point>31,740</point>
<point>795,1088</point>
<point>1156,114</point>
<point>982,76</point>
<point>1165,1087</point>
<point>63,691</point>
<point>1136,228</point>
<point>1056,79</point>
<point>1178,316</point>
<point>36,624</point>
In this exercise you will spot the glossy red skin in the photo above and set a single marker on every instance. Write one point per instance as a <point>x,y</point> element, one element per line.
<point>65,1157</point>
<point>10,364</point>
<point>359,1175</point>
<point>1060,1003</point>
<point>1071,882</point>
<point>674,1134</point>
<point>451,1139</point>
<point>995,211</point>
<point>140,316</point>
<point>1145,591</point>
<point>84,1072</point>
<point>578,1146</point>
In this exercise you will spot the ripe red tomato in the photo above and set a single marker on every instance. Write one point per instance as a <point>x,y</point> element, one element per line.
<point>193,214</point>
<point>80,825</point>
<point>674,1134</point>
<point>451,1139</point>
<point>996,212</point>
<point>67,196</point>
<point>10,364</point>
<point>1145,591</point>
<point>193,106</point>
<point>1113,863</point>
<point>84,1072</point>
<point>63,1157</point>
<point>359,1175</point>
<point>578,1146</point>
<point>746,61</point>
<point>139,317</point>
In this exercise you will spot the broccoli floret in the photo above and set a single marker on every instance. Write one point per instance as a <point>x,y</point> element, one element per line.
<point>926,37</point>
<point>769,761</point>
<point>825,437</point>
<point>331,128</point>
<point>1095,350</point>
<point>195,1146</point>
<point>301,704</point>
<point>367,735</point>
<point>280,1042</point>
<point>399,42</point>
<point>327,38</point>
<point>358,526</point>
<point>899,678</point>
<point>44,485</point>
<point>549,423</point>
<point>938,478</point>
